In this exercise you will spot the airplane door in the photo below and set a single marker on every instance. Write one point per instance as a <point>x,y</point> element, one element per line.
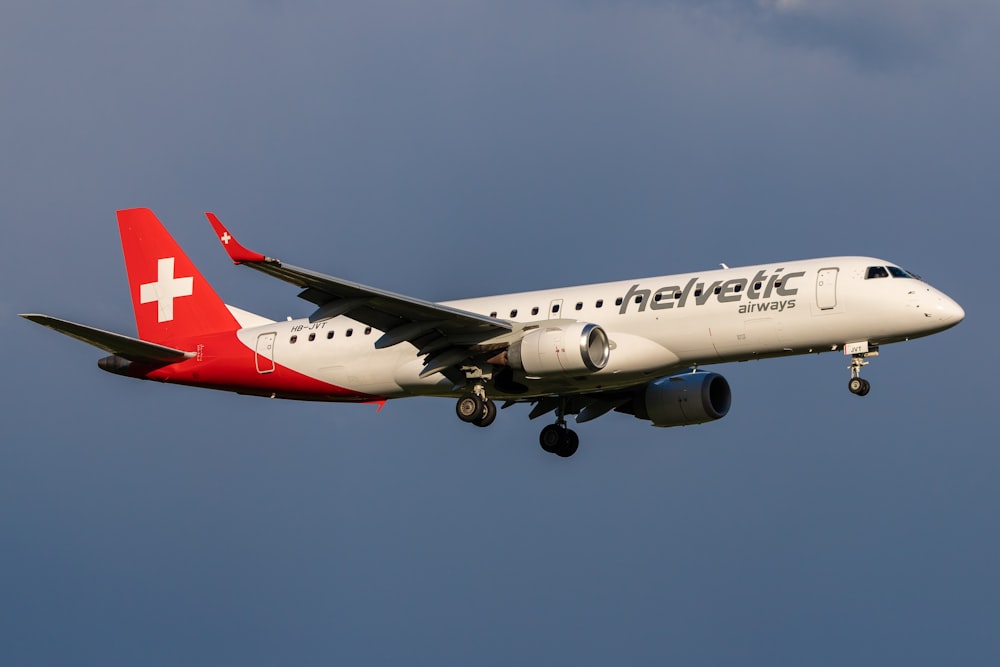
<point>265,352</point>
<point>826,288</point>
<point>555,309</point>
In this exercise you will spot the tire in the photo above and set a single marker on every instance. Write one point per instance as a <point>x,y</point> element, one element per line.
<point>856,386</point>
<point>489,414</point>
<point>469,408</point>
<point>570,443</point>
<point>865,388</point>
<point>551,438</point>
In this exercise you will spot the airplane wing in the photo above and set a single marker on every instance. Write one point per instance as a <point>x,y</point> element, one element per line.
<point>438,331</point>
<point>126,347</point>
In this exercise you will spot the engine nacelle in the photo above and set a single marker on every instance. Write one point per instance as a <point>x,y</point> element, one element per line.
<point>681,400</point>
<point>565,349</point>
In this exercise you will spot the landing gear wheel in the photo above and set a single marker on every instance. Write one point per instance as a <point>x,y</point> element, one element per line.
<point>559,440</point>
<point>570,443</point>
<point>551,437</point>
<point>469,408</point>
<point>859,386</point>
<point>489,414</point>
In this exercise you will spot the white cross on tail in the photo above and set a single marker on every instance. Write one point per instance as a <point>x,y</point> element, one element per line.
<point>165,289</point>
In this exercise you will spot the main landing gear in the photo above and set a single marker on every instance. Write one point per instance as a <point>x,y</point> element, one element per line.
<point>475,408</point>
<point>559,440</point>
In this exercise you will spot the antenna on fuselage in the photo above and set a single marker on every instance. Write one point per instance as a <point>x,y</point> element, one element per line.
<point>723,265</point>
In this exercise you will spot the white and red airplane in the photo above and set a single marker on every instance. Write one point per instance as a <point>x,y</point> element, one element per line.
<point>633,346</point>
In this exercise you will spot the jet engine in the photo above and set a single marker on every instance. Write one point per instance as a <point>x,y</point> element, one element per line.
<point>682,400</point>
<point>568,349</point>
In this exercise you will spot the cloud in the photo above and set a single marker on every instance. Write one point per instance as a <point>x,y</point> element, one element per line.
<point>876,35</point>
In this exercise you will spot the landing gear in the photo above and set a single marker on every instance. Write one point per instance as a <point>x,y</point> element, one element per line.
<point>469,407</point>
<point>489,414</point>
<point>858,385</point>
<point>475,408</point>
<point>559,440</point>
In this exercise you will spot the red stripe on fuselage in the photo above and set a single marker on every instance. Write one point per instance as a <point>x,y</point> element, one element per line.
<point>225,363</point>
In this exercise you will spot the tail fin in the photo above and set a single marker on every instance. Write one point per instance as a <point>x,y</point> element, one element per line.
<point>171,299</point>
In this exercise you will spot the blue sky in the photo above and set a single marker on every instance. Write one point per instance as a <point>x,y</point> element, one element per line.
<point>451,149</point>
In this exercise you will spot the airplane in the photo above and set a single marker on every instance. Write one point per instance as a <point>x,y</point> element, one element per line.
<point>635,347</point>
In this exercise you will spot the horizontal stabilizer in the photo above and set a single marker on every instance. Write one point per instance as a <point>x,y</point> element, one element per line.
<point>126,347</point>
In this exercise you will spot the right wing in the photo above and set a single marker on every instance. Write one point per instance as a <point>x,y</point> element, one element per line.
<point>126,347</point>
<point>445,335</point>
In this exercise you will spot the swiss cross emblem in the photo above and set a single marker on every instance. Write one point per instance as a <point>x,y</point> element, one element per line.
<point>165,289</point>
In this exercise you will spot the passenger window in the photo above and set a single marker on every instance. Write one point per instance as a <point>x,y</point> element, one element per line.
<point>349,332</point>
<point>600,302</point>
<point>312,337</point>
<point>493,314</point>
<point>368,330</point>
<point>555,308</point>
<point>293,339</point>
<point>513,313</point>
<point>534,311</point>
<point>876,272</point>
<point>329,335</point>
<point>579,305</point>
<point>618,301</point>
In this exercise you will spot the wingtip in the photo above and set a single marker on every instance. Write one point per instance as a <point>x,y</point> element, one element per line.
<point>236,251</point>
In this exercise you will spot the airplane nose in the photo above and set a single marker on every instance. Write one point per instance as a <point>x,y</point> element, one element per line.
<point>949,312</point>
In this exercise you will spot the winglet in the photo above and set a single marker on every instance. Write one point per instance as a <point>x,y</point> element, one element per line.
<point>234,248</point>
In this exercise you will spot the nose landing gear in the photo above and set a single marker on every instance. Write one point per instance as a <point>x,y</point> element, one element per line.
<point>858,385</point>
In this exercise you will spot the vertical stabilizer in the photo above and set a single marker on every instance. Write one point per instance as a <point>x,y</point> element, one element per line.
<point>171,299</point>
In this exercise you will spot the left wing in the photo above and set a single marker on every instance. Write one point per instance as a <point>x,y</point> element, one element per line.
<point>446,335</point>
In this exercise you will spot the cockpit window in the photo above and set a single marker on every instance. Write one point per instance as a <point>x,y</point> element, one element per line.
<point>900,273</point>
<point>876,272</point>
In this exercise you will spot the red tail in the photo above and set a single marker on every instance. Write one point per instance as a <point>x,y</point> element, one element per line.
<point>171,299</point>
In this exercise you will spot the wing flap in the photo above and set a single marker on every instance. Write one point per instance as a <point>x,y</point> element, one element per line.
<point>126,347</point>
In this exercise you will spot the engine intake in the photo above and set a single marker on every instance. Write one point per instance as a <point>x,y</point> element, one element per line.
<point>561,350</point>
<point>682,400</point>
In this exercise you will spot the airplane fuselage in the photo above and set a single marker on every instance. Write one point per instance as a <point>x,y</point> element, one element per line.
<point>656,326</point>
